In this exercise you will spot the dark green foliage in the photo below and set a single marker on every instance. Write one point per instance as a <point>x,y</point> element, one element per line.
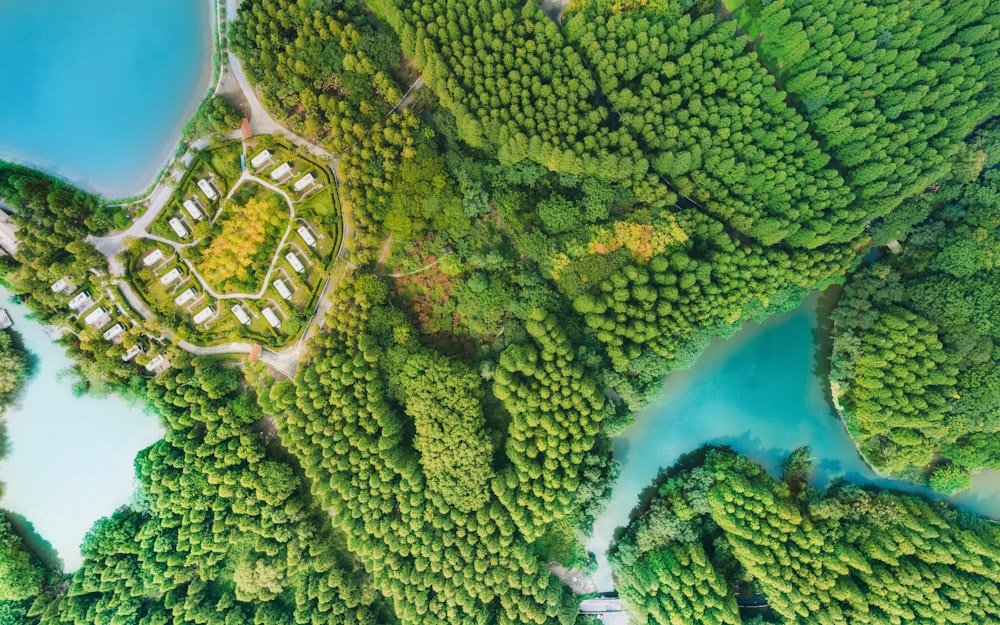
<point>14,368</point>
<point>725,532</point>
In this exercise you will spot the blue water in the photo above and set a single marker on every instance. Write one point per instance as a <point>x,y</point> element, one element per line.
<point>97,90</point>
<point>757,392</point>
<point>71,459</point>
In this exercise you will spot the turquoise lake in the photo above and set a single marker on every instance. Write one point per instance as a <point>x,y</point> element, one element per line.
<point>759,393</point>
<point>96,91</point>
<point>71,459</point>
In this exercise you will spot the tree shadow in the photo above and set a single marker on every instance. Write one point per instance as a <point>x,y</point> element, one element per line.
<point>42,548</point>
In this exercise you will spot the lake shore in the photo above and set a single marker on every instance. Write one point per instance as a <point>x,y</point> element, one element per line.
<point>142,179</point>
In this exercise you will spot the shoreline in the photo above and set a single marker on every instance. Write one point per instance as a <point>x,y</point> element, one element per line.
<point>164,158</point>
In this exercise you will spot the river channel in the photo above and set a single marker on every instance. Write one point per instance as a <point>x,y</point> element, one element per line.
<point>71,459</point>
<point>760,393</point>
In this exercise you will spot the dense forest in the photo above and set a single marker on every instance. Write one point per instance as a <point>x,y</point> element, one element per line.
<point>591,203</point>
<point>720,541</point>
<point>915,342</point>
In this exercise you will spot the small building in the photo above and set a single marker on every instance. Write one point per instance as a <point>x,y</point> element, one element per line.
<point>240,314</point>
<point>5,321</point>
<point>245,128</point>
<point>132,352</point>
<point>307,236</point>
<point>303,182</point>
<point>281,172</point>
<point>114,332</point>
<point>171,276</point>
<point>283,291</point>
<point>153,257</point>
<point>158,364</point>
<point>81,301</point>
<point>262,157</point>
<point>271,317</point>
<point>178,227</point>
<point>62,285</point>
<point>193,210</point>
<point>98,317</point>
<point>185,297</point>
<point>204,314</point>
<point>294,261</point>
<point>207,188</point>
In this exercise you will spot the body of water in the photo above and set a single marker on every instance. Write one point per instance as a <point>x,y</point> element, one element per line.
<point>759,393</point>
<point>96,91</point>
<point>71,459</point>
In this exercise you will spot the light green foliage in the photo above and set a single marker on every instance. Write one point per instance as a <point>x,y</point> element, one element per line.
<point>915,343</point>
<point>13,367</point>
<point>841,557</point>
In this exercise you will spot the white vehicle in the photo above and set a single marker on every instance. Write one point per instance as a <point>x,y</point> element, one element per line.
<point>193,210</point>
<point>204,314</point>
<point>240,314</point>
<point>207,188</point>
<point>260,159</point>
<point>282,289</point>
<point>271,317</point>
<point>152,258</point>
<point>178,227</point>
<point>306,236</point>
<point>185,297</point>
<point>294,261</point>
<point>170,277</point>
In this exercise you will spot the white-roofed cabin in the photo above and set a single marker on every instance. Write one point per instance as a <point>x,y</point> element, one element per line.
<point>152,258</point>
<point>178,227</point>
<point>240,314</point>
<point>283,291</point>
<point>170,277</point>
<point>204,314</point>
<point>193,210</point>
<point>306,235</point>
<point>271,317</point>
<point>281,172</point>
<point>185,297</point>
<point>294,261</point>
<point>303,182</point>
<point>207,188</point>
<point>261,158</point>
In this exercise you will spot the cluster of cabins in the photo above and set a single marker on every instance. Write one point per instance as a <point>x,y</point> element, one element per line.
<point>282,172</point>
<point>186,296</point>
<point>100,318</point>
<point>207,313</point>
<point>194,208</point>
